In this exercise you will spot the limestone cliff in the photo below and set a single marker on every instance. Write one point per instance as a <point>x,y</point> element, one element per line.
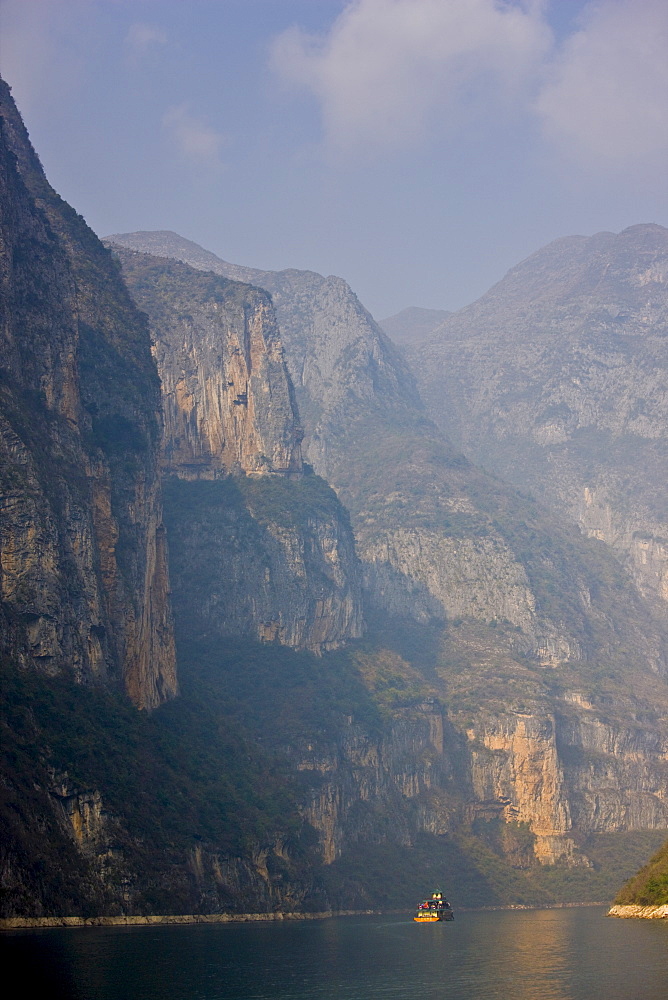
<point>83,573</point>
<point>506,707</point>
<point>265,559</point>
<point>484,743</point>
<point>393,789</point>
<point>529,606</point>
<point>227,396</point>
<point>280,558</point>
<point>415,505</point>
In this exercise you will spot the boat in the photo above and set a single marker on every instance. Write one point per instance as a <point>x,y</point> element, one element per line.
<point>431,910</point>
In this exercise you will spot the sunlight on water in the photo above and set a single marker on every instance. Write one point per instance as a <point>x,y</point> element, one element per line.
<point>565,954</point>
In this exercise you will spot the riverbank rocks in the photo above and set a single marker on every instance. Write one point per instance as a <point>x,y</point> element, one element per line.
<point>642,912</point>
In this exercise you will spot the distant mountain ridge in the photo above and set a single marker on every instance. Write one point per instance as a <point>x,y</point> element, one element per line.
<point>413,325</point>
<point>166,243</point>
<point>557,380</point>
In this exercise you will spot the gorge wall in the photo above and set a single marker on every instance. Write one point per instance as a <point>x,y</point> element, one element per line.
<point>527,611</point>
<point>265,559</point>
<point>503,703</point>
<point>421,669</point>
<point>424,521</point>
<point>228,401</point>
<point>270,555</point>
<point>83,571</point>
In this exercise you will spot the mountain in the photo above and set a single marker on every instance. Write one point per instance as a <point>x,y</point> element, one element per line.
<point>426,523</point>
<point>388,660</point>
<point>544,658</point>
<point>106,808</point>
<point>84,581</point>
<point>411,326</point>
<point>557,381</point>
<point>276,543</point>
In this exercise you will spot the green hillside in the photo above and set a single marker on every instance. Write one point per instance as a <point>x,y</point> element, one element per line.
<point>650,886</point>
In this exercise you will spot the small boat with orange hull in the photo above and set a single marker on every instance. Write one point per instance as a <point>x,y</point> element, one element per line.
<point>431,910</point>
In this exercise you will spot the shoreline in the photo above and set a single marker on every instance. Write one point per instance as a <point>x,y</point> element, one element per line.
<point>633,911</point>
<point>153,920</point>
<point>156,920</point>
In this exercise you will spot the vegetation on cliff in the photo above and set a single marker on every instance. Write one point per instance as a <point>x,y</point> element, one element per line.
<point>198,806</point>
<point>192,776</point>
<point>649,887</point>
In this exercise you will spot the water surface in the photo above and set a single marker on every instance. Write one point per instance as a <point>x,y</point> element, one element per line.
<point>563,954</point>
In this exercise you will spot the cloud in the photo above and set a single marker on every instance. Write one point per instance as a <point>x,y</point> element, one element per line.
<point>605,103</point>
<point>197,141</point>
<point>387,67</point>
<point>388,74</point>
<point>142,37</point>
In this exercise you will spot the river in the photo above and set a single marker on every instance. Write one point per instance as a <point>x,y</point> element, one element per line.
<point>560,954</point>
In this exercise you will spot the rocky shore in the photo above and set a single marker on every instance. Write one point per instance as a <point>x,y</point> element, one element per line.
<point>642,912</point>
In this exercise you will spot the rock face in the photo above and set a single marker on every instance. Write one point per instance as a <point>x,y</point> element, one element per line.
<point>267,559</point>
<point>536,616</point>
<point>390,789</point>
<point>507,704</point>
<point>642,912</point>
<point>562,763</point>
<point>569,775</point>
<point>408,491</point>
<point>227,397</point>
<point>552,765</point>
<point>510,690</point>
<point>556,380</point>
<point>436,537</point>
<point>280,558</point>
<point>83,571</point>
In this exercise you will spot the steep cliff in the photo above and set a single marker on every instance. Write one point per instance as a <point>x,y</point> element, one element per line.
<point>227,396</point>
<point>506,707</point>
<point>83,572</point>
<point>268,559</point>
<point>424,522</point>
<point>526,611</point>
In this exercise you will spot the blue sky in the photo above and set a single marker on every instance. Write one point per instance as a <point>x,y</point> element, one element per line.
<point>417,148</point>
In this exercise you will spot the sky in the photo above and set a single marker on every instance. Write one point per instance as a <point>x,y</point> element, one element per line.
<point>416,148</point>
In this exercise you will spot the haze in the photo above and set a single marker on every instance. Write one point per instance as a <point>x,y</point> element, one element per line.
<point>418,148</point>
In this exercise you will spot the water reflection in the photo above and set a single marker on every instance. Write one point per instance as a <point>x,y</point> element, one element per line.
<point>523,955</point>
<point>532,954</point>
